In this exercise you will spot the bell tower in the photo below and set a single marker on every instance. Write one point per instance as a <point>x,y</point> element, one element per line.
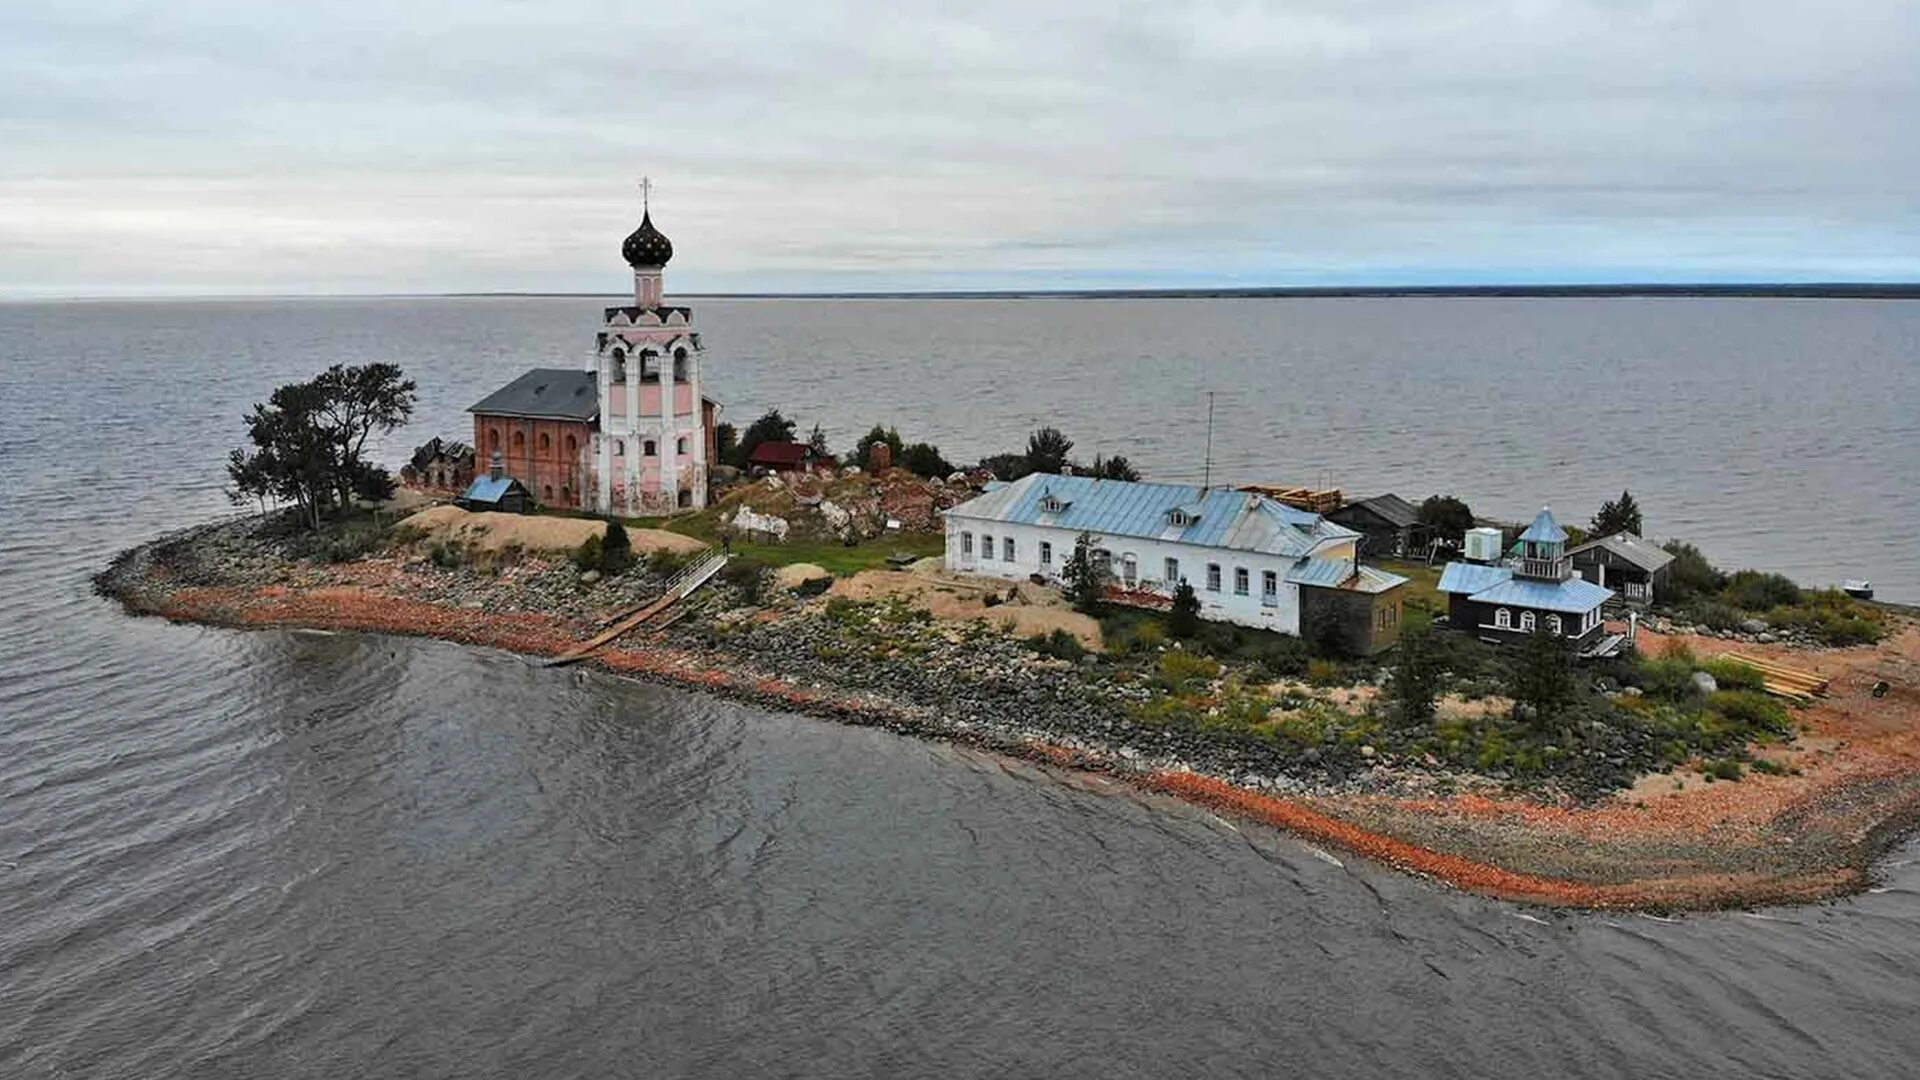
<point>652,450</point>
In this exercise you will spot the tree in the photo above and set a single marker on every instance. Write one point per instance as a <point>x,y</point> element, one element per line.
<point>771,427</point>
<point>1116,467</point>
<point>309,438</point>
<point>726,443</point>
<point>1183,621</point>
<point>1445,517</point>
<point>817,445</point>
<point>1415,683</point>
<point>1047,450</point>
<point>1691,574</point>
<point>923,459</point>
<point>1542,678</point>
<point>1006,466</point>
<point>1086,581</point>
<point>1618,516</point>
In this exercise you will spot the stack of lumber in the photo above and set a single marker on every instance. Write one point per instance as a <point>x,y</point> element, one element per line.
<point>1312,500</point>
<point>1782,681</point>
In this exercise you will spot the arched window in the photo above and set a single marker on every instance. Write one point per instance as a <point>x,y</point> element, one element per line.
<point>493,438</point>
<point>619,365</point>
<point>546,492</point>
<point>1129,569</point>
<point>566,494</point>
<point>648,449</point>
<point>1503,619</point>
<point>686,498</point>
<point>1526,621</point>
<point>679,365</point>
<point>1553,625</point>
<point>649,366</point>
<point>546,441</point>
<point>519,440</point>
<point>573,446</point>
<point>619,448</point>
<point>680,445</point>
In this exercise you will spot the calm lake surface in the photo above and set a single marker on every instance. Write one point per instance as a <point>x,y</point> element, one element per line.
<point>300,855</point>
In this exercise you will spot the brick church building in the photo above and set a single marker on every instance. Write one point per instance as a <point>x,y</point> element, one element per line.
<point>634,435</point>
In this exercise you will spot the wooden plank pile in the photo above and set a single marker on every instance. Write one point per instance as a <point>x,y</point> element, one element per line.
<point>1783,681</point>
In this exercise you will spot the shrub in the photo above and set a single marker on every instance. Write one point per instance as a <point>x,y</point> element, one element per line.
<point>1179,669</point>
<point>667,563</point>
<point>1323,672</point>
<point>1691,574</point>
<point>587,555</point>
<point>1725,768</point>
<point>446,555</point>
<point>748,578</point>
<point>1755,590</point>
<point>1184,620</point>
<point>1750,712</point>
<point>1059,644</point>
<point>1733,675</point>
<point>1445,517</point>
<point>1715,615</point>
<point>1771,768</point>
<point>923,459</point>
<point>616,550</point>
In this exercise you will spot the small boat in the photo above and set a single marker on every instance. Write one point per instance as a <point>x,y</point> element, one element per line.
<point>1859,590</point>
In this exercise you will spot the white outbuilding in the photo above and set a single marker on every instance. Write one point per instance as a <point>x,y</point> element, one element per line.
<point>1251,560</point>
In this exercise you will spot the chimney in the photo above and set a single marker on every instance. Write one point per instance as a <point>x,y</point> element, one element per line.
<point>497,468</point>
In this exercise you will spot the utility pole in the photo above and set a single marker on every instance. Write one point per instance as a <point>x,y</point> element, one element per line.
<point>1207,480</point>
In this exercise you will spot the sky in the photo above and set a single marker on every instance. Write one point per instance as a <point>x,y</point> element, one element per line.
<point>406,146</point>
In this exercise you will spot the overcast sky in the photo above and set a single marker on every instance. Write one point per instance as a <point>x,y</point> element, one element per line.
<point>415,146</point>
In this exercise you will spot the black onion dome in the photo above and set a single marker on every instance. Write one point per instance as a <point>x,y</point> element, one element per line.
<point>647,246</point>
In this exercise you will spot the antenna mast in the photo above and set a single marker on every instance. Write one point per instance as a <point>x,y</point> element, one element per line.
<point>1207,481</point>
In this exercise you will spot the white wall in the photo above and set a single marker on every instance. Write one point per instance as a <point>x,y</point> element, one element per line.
<point>1150,557</point>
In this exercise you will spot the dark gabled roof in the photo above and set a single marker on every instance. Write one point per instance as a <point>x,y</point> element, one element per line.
<point>778,453</point>
<point>1390,508</point>
<point>1644,554</point>
<point>546,394</point>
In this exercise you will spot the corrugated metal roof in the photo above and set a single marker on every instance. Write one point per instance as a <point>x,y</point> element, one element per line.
<point>1470,578</point>
<point>1338,574</point>
<point>1576,595</point>
<point>1545,530</point>
<point>1228,519</point>
<point>1644,554</point>
<point>546,393</point>
<point>486,489</point>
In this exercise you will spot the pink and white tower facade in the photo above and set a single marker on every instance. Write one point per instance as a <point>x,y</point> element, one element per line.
<point>656,429</point>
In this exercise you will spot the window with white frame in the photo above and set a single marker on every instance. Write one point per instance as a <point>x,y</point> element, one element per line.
<point>1240,579</point>
<point>1173,572</point>
<point>1553,624</point>
<point>1269,586</point>
<point>1006,550</point>
<point>1526,621</point>
<point>986,546</point>
<point>1213,577</point>
<point>1503,619</point>
<point>1046,553</point>
<point>1129,569</point>
<point>966,544</point>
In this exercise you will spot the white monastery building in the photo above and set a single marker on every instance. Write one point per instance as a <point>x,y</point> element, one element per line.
<point>1251,560</point>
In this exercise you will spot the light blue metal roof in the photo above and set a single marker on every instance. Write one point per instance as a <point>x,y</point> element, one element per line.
<point>1470,578</point>
<point>1545,530</point>
<point>486,489</point>
<point>1338,574</point>
<point>1230,519</point>
<point>1574,594</point>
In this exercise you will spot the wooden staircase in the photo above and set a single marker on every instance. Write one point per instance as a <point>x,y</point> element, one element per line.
<point>679,587</point>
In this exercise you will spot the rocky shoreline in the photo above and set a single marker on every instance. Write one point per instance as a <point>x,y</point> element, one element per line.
<point>889,667</point>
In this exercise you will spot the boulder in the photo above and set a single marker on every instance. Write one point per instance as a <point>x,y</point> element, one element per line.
<point>1754,626</point>
<point>590,577</point>
<point>1705,683</point>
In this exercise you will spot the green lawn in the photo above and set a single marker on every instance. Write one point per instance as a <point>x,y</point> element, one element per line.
<point>832,556</point>
<point>1422,583</point>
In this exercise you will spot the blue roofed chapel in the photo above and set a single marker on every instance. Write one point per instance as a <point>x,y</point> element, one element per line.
<point>1530,588</point>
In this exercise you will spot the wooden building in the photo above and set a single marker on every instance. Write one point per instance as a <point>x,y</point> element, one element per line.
<point>497,491</point>
<point>1535,590</point>
<point>1386,523</point>
<point>1639,570</point>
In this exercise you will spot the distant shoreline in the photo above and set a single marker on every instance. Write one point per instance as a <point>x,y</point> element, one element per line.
<point>1696,291</point>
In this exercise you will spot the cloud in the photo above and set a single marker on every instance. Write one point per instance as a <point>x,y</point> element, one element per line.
<point>403,146</point>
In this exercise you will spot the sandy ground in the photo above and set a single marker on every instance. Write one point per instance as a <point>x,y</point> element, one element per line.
<point>493,532</point>
<point>1036,609</point>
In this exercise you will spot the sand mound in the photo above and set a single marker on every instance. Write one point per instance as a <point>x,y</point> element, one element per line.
<point>794,575</point>
<point>488,531</point>
<point>1038,609</point>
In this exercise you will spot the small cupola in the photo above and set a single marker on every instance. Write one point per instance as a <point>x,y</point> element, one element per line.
<point>646,248</point>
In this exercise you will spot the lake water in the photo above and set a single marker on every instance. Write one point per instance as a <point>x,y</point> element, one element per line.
<point>280,854</point>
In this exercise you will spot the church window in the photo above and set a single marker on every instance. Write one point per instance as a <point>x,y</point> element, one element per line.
<point>566,494</point>
<point>519,440</point>
<point>679,365</point>
<point>546,441</point>
<point>1527,621</point>
<point>619,365</point>
<point>680,445</point>
<point>493,438</point>
<point>619,448</point>
<point>648,448</point>
<point>546,492</point>
<point>573,445</point>
<point>686,498</point>
<point>1503,619</point>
